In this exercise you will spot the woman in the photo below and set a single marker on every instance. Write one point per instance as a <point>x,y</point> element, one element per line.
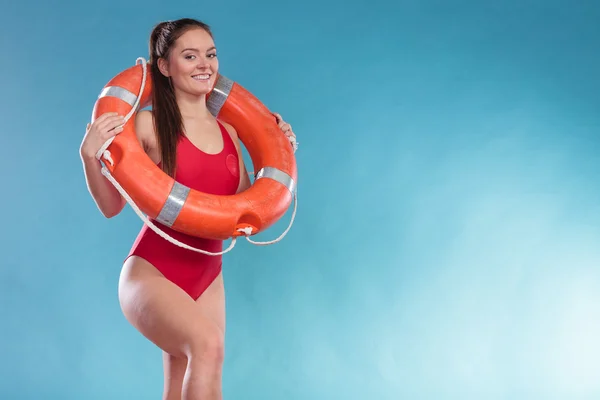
<point>173,296</point>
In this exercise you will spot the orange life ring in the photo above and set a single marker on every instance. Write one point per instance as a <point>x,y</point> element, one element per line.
<point>181,208</point>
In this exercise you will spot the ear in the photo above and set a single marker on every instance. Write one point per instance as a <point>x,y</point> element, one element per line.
<point>163,66</point>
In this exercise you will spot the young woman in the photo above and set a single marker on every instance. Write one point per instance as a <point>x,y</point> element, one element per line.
<point>173,296</point>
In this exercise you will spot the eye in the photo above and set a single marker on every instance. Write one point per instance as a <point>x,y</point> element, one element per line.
<point>190,57</point>
<point>212,55</point>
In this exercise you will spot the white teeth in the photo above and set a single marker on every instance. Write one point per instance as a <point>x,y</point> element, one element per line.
<point>200,77</point>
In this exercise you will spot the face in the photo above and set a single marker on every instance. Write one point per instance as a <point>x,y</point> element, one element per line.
<point>192,63</point>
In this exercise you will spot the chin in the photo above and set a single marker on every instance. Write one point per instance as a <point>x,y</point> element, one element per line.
<point>201,91</point>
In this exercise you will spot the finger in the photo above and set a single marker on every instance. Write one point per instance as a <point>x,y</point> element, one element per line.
<point>112,132</point>
<point>277,117</point>
<point>104,117</point>
<point>111,123</point>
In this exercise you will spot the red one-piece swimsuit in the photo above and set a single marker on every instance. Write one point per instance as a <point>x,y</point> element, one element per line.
<point>210,173</point>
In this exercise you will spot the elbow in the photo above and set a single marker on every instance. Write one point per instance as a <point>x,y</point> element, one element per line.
<point>108,214</point>
<point>111,212</point>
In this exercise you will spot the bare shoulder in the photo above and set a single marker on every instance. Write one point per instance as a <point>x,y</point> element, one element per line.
<point>144,125</point>
<point>144,130</point>
<point>232,132</point>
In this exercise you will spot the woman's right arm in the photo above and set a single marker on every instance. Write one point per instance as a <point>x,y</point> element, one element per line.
<point>107,198</point>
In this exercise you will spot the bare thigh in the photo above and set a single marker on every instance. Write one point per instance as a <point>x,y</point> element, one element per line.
<point>164,313</point>
<point>212,304</point>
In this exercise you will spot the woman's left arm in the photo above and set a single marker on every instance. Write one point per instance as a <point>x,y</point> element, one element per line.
<point>285,127</point>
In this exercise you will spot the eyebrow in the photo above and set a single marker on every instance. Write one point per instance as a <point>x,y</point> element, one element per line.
<point>196,50</point>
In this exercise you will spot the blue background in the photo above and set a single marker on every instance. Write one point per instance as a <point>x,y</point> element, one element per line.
<point>447,239</point>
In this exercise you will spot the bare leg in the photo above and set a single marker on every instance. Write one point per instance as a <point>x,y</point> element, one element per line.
<point>212,304</point>
<point>174,371</point>
<point>184,329</point>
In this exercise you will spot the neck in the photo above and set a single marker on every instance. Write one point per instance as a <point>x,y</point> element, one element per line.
<point>192,107</point>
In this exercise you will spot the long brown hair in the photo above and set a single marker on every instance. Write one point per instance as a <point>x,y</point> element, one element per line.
<point>167,117</point>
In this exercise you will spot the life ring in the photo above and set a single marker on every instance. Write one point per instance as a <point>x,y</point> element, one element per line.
<point>182,208</point>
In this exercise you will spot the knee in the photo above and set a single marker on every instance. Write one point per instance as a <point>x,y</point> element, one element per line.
<point>209,349</point>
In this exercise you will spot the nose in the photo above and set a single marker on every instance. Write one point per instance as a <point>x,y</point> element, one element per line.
<point>202,62</point>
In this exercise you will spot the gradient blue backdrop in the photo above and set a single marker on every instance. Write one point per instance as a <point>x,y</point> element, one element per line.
<point>447,239</point>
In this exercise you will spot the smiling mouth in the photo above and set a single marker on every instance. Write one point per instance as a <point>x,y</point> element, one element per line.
<point>201,77</point>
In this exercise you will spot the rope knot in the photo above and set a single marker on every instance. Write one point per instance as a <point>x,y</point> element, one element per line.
<point>246,231</point>
<point>107,156</point>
